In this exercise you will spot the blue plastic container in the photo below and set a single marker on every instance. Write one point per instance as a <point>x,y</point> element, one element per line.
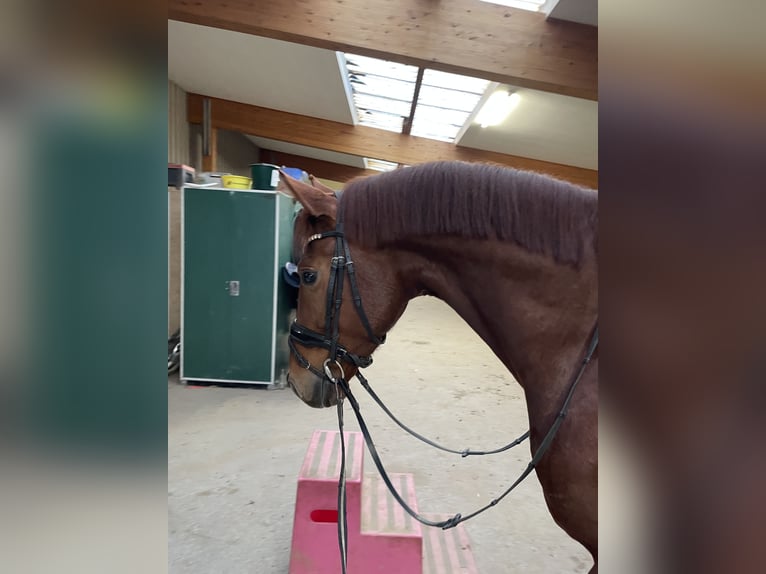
<point>296,173</point>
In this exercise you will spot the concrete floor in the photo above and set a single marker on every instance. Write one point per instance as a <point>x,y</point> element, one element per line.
<point>234,454</point>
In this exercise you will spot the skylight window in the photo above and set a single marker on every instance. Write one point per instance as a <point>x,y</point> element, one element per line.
<point>445,103</point>
<point>383,92</point>
<point>382,68</point>
<point>383,104</point>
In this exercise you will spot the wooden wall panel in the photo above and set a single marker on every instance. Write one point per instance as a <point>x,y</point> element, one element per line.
<point>236,153</point>
<point>178,152</point>
<point>178,125</point>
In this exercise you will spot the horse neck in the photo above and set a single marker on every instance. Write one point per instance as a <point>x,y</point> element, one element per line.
<point>535,314</point>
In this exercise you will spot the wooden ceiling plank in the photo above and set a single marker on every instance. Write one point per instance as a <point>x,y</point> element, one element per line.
<point>480,39</point>
<point>362,140</point>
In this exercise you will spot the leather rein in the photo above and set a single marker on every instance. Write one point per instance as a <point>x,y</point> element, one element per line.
<point>340,266</point>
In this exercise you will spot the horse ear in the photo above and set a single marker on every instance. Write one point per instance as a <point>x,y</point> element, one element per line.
<point>282,186</point>
<point>314,200</point>
<point>320,186</point>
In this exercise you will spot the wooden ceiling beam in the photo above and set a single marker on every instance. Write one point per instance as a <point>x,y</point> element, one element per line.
<point>319,168</point>
<point>362,140</point>
<point>479,39</point>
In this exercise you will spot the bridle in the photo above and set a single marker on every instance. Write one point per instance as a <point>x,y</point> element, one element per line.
<point>340,265</point>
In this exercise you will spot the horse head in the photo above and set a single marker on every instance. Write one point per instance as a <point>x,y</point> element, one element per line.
<point>316,237</point>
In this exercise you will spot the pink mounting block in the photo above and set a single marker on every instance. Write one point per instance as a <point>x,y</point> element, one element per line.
<point>382,537</point>
<point>315,527</point>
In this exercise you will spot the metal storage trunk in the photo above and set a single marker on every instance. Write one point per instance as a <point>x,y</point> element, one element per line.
<point>235,308</point>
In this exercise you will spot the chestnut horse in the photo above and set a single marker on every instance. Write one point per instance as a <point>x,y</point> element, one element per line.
<point>513,253</point>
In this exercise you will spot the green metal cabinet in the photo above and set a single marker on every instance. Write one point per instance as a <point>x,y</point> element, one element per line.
<point>235,307</point>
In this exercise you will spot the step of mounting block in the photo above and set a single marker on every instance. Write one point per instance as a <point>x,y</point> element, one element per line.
<point>446,551</point>
<point>391,541</point>
<point>314,548</point>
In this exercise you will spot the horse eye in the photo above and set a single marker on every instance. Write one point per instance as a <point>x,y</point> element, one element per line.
<point>309,277</point>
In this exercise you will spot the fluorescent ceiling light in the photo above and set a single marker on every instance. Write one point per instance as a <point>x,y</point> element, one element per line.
<point>531,5</point>
<point>379,165</point>
<point>496,108</point>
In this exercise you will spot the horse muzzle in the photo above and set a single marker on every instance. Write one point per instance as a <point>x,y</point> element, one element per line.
<point>316,392</point>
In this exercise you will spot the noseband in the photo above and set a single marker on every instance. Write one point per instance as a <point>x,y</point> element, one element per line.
<point>340,266</point>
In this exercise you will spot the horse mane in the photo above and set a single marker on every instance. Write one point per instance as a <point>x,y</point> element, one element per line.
<point>476,201</point>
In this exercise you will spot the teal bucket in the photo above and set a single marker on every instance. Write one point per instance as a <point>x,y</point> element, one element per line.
<point>265,175</point>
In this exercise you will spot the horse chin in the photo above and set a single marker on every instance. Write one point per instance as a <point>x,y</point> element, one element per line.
<point>310,392</point>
